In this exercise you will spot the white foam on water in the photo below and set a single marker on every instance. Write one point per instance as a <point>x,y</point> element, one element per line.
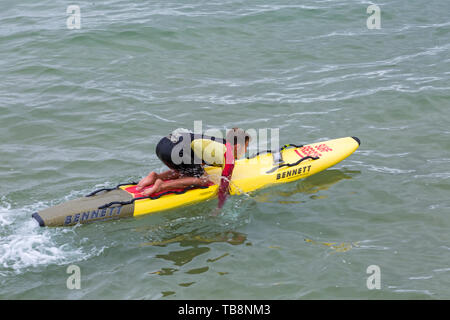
<point>29,248</point>
<point>4,218</point>
<point>25,245</point>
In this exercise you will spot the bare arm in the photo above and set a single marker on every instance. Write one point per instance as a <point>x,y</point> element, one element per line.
<point>168,175</point>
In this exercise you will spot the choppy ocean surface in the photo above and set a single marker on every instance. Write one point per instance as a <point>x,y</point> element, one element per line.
<point>84,108</point>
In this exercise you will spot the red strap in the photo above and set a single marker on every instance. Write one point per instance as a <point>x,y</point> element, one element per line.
<point>227,172</point>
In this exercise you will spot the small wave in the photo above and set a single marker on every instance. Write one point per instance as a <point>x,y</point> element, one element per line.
<point>439,160</point>
<point>388,170</point>
<point>387,62</point>
<point>366,244</point>
<point>413,291</point>
<point>376,153</point>
<point>441,175</point>
<point>433,25</point>
<point>420,278</point>
<point>388,128</point>
<point>442,270</point>
<point>420,80</point>
<point>329,35</point>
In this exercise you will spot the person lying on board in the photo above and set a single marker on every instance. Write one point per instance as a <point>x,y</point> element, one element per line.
<point>186,154</point>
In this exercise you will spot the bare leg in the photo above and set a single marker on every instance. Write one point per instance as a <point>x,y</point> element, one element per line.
<point>153,176</point>
<point>181,183</point>
<point>169,175</point>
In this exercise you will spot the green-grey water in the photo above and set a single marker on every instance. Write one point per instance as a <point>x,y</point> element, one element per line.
<point>84,108</point>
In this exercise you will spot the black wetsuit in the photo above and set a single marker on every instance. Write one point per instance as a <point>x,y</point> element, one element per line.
<point>190,165</point>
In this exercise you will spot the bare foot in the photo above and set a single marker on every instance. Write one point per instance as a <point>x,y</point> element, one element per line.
<point>154,189</point>
<point>148,180</point>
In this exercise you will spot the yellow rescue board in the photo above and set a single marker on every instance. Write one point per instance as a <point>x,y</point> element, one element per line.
<point>259,172</point>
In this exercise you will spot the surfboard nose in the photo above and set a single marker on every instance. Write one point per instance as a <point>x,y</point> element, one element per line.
<point>38,218</point>
<point>357,140</point>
